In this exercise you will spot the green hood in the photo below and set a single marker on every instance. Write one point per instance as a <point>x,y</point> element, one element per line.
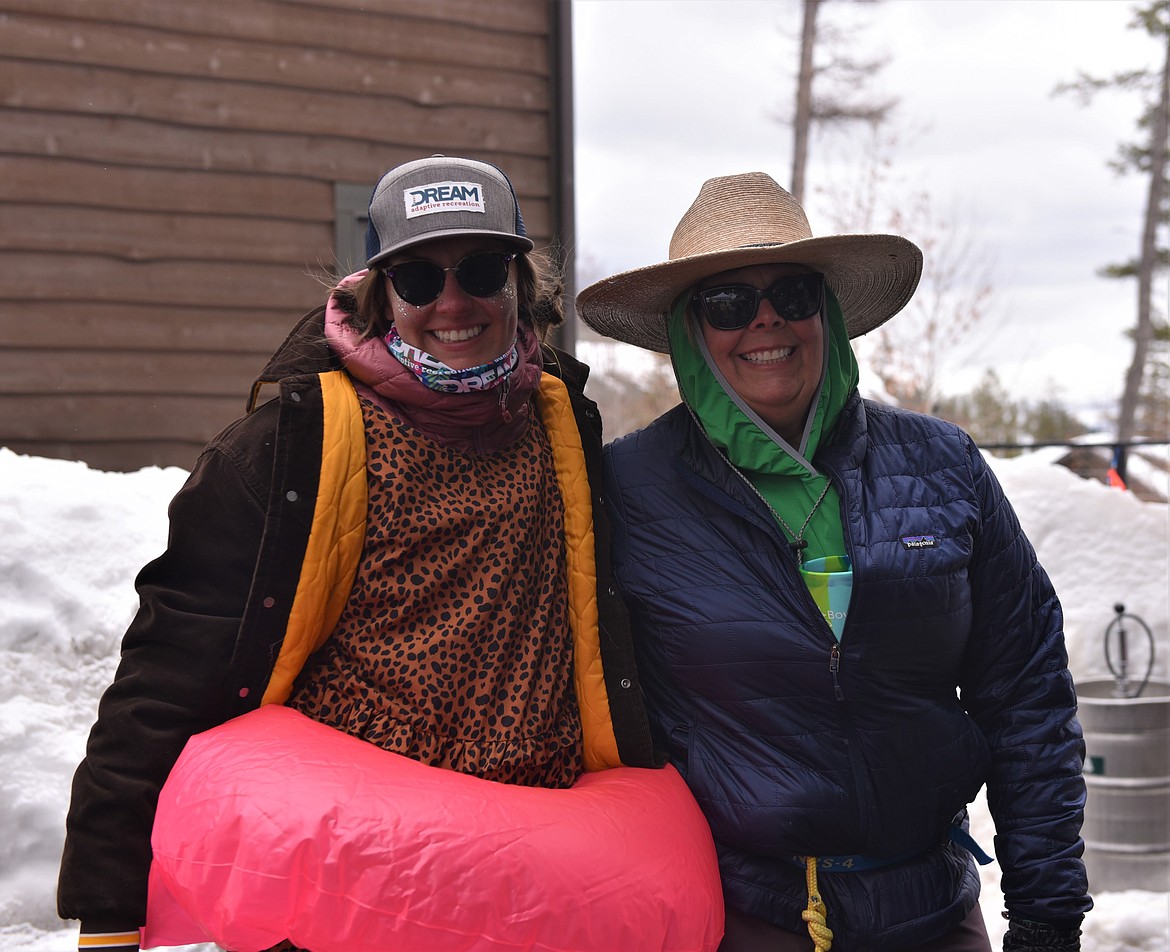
<point>783,474</point>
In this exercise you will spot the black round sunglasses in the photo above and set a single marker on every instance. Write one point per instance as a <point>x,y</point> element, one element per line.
<point>481,275</point>
<point>731,307</point>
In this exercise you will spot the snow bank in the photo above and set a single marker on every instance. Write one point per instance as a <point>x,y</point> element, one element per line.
<point>72,539</point>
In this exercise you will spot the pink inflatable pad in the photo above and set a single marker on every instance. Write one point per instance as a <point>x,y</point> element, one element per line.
<point>275,826</point>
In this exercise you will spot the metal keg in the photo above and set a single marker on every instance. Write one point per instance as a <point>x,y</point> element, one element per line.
<point>1127,773</point>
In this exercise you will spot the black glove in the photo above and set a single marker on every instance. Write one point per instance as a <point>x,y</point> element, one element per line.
<point>1024,935</point>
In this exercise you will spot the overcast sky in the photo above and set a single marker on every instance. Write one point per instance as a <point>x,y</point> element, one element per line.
<point>672,92</point>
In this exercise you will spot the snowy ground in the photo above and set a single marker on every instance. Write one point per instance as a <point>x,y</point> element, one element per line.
<point>72,539</point>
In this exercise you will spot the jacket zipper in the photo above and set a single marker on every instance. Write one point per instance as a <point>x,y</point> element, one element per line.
<point>835,650</point>
<point>834,667</point>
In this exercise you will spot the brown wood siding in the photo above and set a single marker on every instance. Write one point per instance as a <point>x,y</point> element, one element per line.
<point>167,188</point>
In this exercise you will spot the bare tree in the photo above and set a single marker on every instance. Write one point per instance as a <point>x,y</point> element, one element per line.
<point>631,397</point>
<point>631,386</point>
<point>802,118</point>
<point>1149,158</point>
<point>954,295</point>
<point>952,298</point>
<point>832,104</point>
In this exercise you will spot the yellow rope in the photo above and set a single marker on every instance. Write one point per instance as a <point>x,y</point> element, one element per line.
<point>815,915</point>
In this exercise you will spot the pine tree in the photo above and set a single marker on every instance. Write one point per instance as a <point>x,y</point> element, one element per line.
<point>1149,158</point>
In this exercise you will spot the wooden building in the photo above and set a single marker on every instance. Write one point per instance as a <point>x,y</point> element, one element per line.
<point>178,180</point>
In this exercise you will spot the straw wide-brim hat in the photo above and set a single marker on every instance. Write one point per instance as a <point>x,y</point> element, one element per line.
<point>743,220</point>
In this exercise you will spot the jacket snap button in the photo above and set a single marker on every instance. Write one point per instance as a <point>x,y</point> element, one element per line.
<point>627,683</point>
<point>243,692</point>
<point>295,397</point>
<point>269,602</point>
<point>291,495</point>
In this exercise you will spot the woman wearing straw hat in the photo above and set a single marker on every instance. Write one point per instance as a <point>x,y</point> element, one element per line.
<point>841,630</point>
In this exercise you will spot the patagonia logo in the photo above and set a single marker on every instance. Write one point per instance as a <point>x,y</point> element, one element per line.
<point>443,197</point>
<point>918,542</point>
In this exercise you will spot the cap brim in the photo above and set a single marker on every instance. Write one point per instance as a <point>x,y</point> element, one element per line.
<point>517,242</point>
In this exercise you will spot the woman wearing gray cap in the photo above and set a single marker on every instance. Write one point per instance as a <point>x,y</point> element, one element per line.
<point>841,630</point>
<point>400,544</point>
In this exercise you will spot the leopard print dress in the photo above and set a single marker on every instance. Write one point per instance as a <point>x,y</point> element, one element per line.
<point>454,647</point>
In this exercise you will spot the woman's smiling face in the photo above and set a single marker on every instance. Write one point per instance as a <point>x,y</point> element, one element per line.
<point>457,328</point>
<point>773,364</point>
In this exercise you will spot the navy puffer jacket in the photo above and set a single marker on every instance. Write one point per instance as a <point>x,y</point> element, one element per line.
<point>951,673</point>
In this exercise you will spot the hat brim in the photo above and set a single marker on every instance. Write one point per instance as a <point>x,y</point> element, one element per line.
<point>872,277</point>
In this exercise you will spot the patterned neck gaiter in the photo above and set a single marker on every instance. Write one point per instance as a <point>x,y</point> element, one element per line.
<point>436,375</point>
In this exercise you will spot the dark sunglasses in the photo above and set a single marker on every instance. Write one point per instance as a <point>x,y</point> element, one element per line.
<point>481,275</point>
<point>730,307</point>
